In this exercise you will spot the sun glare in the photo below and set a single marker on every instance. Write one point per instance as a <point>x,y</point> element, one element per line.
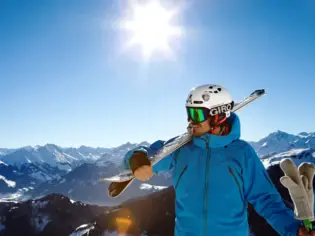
<point>151,28</point>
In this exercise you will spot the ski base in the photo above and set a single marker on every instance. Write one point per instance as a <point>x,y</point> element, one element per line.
<point>117,188</point>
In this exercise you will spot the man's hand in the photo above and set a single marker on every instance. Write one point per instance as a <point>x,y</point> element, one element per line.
<point>141,166</point>
<point>144,173</point>
<point>303,232</point>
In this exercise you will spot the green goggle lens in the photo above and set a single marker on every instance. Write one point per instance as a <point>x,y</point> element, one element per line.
<point>196,114</point>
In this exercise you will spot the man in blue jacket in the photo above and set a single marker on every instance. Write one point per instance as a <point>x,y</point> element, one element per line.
<point>216,174</point>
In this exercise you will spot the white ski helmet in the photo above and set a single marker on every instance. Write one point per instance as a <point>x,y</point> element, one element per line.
<point>213,97</point>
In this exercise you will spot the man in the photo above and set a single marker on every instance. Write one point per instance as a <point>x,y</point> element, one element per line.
<point>216,174</point>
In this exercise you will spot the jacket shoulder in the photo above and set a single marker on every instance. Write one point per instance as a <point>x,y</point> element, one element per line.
<point>243,146</point>
<point>240,143</point>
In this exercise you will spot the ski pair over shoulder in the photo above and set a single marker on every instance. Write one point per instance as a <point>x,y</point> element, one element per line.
<point>214,172</point>
<point>123,180</point>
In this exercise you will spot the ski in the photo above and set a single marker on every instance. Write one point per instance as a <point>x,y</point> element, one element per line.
<point>121,181</point>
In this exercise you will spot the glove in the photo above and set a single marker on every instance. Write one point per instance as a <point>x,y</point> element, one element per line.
<point>299,182</point>
<point>138,159</point>
<point>306,171</point>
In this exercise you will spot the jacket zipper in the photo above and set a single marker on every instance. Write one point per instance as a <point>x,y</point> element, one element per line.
<point>180,176</point>
<point>238,184</point>
<point>206,189</point>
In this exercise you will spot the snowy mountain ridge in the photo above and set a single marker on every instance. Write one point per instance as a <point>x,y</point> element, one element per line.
<point>297,155</point>
<point>64,158</point>
<point>279,141</point>
<point>50,168</point>
<point>30,166</point>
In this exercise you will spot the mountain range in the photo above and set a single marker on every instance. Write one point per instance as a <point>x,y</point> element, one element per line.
<point>43,187</point>
<point>280,141</point>
<point>150,215</point>
<point>33,172</point>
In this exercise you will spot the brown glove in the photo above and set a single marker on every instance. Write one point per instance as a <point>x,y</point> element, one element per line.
<point>139,159</point>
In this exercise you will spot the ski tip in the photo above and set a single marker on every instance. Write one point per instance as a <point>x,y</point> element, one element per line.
<point>117,188</point>
<point>114,190</point>
<point>259,92</point>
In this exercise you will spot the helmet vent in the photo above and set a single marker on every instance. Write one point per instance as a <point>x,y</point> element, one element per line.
<point>214,90</point>
<point>198,102</point>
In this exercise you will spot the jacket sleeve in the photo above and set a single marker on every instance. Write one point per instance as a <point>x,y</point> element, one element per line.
<point>263,195</point>
<point>164,165</point>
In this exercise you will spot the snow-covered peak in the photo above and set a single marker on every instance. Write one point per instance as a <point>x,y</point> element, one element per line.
<point>5,151</point>
<point>279,136</point>
<point>51,147</point>
<point>279,141</point>
<point>27,148</point>
<point>303,134</point>
<point>116,155</point>
<point>51,154</point>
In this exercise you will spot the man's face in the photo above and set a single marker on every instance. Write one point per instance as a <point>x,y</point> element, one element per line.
<point>200,129</point>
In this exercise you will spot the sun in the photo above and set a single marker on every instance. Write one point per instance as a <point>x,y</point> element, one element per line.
<point>151,28</point>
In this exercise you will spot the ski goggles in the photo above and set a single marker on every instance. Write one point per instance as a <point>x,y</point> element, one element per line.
<point>197,114</point>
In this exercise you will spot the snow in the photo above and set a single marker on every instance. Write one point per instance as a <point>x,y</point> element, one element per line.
<point>2,163</point>
<point>40,176</point>
<point>50,154</point>
<point>10,183</point>
<point>279,141</point>
<point>81,230</point>
<point>25,189</point>
<point>151,187</point>
<point>297,155</point>
<point>12,208</point>
<point>40,204</point>
<point>11,197</point>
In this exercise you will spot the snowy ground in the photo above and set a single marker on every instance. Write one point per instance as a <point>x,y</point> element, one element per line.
<point>297,155</point>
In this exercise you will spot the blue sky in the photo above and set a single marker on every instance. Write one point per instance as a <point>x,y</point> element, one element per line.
<point>65,79</point>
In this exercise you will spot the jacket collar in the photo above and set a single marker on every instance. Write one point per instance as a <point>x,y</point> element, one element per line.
<point>214,141</point>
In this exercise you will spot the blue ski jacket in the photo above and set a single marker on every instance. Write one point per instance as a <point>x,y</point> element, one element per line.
<point>214,178</point>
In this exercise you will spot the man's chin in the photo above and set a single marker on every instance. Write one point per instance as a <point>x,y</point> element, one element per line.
<point>196,134</point>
